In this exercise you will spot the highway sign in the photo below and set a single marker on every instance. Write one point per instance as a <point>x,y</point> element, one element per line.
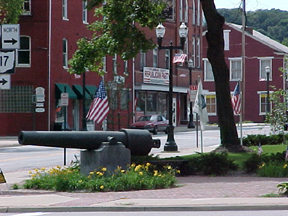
<point>10,36</point>
<point>5,81</point>
<point>7,61</point>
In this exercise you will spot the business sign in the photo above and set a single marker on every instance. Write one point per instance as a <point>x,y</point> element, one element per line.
<point>192,92</point>
<point>5,81</point>
<point>7,61</point>
<point>40,94</point>
<point>156,76</point>
<point>10,38</point>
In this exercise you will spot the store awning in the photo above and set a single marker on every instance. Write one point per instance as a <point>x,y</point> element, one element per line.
<point>79,92</point>
<point>60,88</point>
<point>91,90</point>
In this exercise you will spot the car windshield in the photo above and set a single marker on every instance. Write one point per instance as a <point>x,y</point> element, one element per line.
<point>148,118</point>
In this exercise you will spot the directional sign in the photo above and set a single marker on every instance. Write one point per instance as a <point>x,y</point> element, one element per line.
<point>5,81</point>
<point>10,36</point>
<point>7,61</point>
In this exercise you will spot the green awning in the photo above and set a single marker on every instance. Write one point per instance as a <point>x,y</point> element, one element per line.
<point>60,88</point>
<point>91,90</point>
<point>79,92</point>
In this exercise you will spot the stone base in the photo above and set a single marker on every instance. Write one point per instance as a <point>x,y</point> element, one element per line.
<point>108,156</point>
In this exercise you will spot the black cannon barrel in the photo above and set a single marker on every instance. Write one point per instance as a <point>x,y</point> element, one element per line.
<point>139,142</point>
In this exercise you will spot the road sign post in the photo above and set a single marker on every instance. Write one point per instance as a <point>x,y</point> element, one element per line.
<point>10,36</point>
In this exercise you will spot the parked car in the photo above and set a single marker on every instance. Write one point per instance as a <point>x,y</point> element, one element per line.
<point>152,123</point>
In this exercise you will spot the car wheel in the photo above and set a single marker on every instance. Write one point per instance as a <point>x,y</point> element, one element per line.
<point>155,131</point>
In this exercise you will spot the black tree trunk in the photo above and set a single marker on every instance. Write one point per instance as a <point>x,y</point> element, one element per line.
<point>216,56</point>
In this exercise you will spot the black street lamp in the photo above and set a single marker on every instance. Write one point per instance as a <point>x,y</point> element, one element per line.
<point>84,122</point>
<point>190,66</point>
<point>170,144</point>
<point>267,69</point>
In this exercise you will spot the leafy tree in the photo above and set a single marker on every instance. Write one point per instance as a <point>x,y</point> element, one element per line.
<point>119,29</point>
<point>216,56</point>
<point>278,115</point>
<point>10,10</point>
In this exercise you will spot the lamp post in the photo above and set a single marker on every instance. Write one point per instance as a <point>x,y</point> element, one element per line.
<point>170,144</point>
<point>84,122</point>
<point>191,123</point>
<point>267,69</point>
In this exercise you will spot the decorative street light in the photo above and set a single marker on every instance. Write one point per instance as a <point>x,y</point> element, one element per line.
<point>84,122</point>
<point>190,66</point>
<point>170,144</point>
<point>267,69</point>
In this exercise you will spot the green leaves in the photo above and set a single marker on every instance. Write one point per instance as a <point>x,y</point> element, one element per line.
<point>10,10</point>
<point>118,30</point>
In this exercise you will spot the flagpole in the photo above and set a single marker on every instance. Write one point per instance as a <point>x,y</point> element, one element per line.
<point>242,96</point>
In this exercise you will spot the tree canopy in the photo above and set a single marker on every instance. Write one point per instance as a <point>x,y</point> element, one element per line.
<point>10,10</point>
<point>119,29</point>
<point>273,23</point>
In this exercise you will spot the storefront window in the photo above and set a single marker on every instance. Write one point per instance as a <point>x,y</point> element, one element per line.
<point>151,102</point>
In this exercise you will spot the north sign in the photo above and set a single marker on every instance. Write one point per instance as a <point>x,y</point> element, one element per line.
<point>10,36</point>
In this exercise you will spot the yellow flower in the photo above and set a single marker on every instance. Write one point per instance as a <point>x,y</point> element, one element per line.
<point>140,173</point>
<point>30,172</point>
<point>262,165</point>
<point>122,171</point>
<point>155,172</point>
<point>104,169</point>
<point>102,187</point>
<point>36,170</point>
<point>91,173</point>
<point>43,168</point>
<point>177,171</point>
<point>137,167</point>
<point>99,173</point>
<point>33,175</point>
<point>80,181</point>
<point>285,165</point>
<point>169,167</point>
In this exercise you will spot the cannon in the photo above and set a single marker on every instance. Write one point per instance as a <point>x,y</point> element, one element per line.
<point>139,142</point>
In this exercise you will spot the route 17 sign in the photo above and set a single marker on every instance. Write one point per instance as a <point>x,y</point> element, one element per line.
<point>7,62</point>
<point>10,36</point>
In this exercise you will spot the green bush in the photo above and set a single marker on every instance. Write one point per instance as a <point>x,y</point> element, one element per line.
<point>211,164</point>
<point>251,165</point>
<point>273,169</point>
<point>283,188</point>
<point>253,140</point>
<point>136,177</point>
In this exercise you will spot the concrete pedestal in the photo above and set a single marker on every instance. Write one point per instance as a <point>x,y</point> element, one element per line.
<point>109,156</point>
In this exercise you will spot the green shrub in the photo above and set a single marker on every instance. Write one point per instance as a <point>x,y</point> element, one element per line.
<point>211,164</point>
<point>273,169</point>
<point>251,165</point>
<point>274,139</point>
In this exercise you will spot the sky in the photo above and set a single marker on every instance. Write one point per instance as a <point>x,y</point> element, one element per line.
<point>252,5</point>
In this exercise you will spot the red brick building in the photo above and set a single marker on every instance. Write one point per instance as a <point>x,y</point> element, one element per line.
<point>49,30</point>
<point>261,51</point>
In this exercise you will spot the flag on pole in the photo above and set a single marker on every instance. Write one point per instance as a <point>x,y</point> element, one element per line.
<point>99,107</point>
<point>200,106</point>
<point>179,58</point>
<point>260,150</point>
<point>236,100</point>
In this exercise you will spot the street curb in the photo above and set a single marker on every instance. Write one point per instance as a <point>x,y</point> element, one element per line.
<point>144,208</point>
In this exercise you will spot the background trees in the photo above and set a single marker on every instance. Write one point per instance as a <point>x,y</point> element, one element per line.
<point>10,10</point>
<point>273,23</point>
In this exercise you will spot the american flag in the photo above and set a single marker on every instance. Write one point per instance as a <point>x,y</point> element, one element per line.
<point>236,100</point>
<point>99,107</point>
<point>179,58</point>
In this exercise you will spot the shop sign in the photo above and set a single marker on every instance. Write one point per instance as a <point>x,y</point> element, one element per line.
<point>158,76</point>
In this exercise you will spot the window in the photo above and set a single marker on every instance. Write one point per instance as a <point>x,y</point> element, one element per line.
<point>65,53</point>
<point>198,52</point>
<point>84,12</point>
<point>18,99</point>
<point>115,64</point>
<point>264,62</point>
<point>208,73</point>
<point>155,57</point>
<point>104,63</point>
<point>226,34</point>
<point>263,103</point>
<point>126,68</point>
<point>142,60</point>
<point>124,94</point>
<point>211,104</point>
<point>169,11</point>
<point>64,10</point>
<point>235,69</point>
<point>193,13</point>
<point>167,59</point>
<point>27,7</point>
<point>199,18</point>
<point>23,54</point>
<point>113,99</point>
<point>194,50</point>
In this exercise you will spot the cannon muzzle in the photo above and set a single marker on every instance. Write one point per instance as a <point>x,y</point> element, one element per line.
<point>139,142</point>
